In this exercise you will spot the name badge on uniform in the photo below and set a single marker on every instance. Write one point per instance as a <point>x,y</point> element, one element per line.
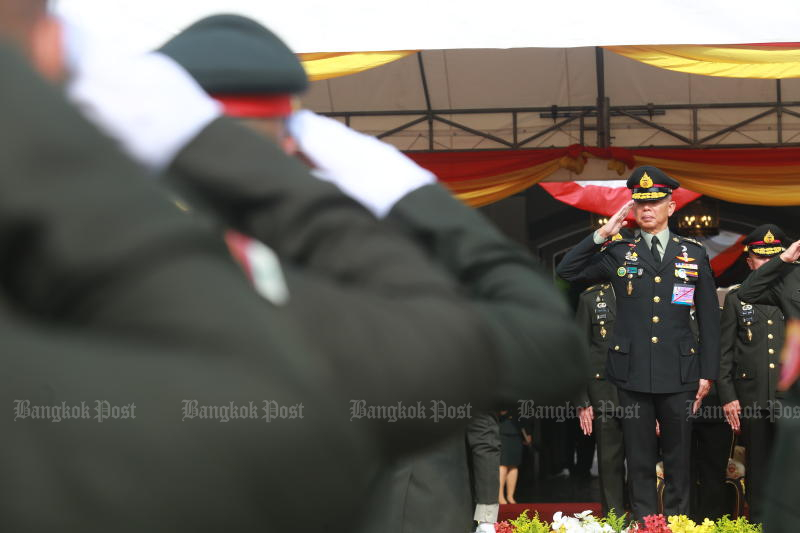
<point>683,294</point>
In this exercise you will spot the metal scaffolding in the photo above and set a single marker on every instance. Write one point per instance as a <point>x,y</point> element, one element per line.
<point>602,120</point>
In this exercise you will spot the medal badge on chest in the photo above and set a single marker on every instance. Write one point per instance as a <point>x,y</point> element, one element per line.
<point>747,314</point>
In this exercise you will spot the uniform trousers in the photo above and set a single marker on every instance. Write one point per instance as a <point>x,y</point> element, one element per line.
<point>758,437</point>
<point>711,447</point>
<point>641,449</point>
<point>610,461</point>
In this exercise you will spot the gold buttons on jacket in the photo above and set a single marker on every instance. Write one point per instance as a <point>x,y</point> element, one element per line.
<point>770,336</point>
<point>597,376</point>
<point>654,340</point>
<point>691,351</point>
<point>656,320</point>
<point>769,322</point>
<point>771,351</point>
<point>744,374</point>
<point>772,365</point>
<point>656,299</point>
<point>657,279</point>
<point>602,322</point>
<point>616,348</point>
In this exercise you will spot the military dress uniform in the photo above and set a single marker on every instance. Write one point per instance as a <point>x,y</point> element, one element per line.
<point>596,316</point>
<point>752,339</point>
<point>777,283</point>
<point>654,358</point>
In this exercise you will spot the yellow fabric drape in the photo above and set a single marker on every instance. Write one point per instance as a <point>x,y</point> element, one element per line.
<point>492,189</point>
<point>731,61</point>
<point>755,185</point>
<point>322,66</point>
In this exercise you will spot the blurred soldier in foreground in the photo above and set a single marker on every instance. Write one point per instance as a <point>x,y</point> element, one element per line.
<point>95,259</point>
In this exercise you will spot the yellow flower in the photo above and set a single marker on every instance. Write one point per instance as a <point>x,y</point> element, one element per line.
<point>681,524</point>
<point>706,527</point>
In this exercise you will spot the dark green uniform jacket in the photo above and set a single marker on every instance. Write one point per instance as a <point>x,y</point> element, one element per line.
<point>653,348</point>
<point>314,229</point>
<point>597,309</point>
<point>752,339</point>
<point>230,170</point>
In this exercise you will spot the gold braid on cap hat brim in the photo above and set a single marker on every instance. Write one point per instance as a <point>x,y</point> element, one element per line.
<point>772,250</point>
<point>648,195</point>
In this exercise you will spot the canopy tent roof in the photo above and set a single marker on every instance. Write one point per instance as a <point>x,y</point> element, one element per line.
<point>383,98</point>
<point>549,89</point>
<point>359,25</point>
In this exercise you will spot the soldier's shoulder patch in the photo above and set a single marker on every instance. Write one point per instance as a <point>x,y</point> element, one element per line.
<point>693,241</point>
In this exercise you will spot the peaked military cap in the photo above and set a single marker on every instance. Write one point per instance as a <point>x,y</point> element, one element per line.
<point>240,63</point>
<point>650,184</point>
<point>767,240</point>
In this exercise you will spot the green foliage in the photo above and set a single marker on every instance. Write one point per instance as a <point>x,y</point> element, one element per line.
<point>523,524</point>
<point>740,525</point>
<point>617,523</point>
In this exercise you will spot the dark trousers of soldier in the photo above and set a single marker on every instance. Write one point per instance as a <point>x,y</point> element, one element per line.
<point>641,450</point>
<point>758,437</point>
<point>610,462</point>
<point>711,447</point>
<point>583,446</point>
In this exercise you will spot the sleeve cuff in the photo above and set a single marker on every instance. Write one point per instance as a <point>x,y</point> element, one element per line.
<point>486,512</point>
<point>597,238</point>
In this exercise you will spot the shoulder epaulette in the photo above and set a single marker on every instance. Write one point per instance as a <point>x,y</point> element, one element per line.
<point>589,289</point>
<point>734,287</point>
<point>693,241</point>
<point>611,243</point>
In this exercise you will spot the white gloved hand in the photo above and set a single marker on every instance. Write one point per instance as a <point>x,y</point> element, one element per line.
<point>145,101</point>
<point>370,171</point>
<point>485,527</point>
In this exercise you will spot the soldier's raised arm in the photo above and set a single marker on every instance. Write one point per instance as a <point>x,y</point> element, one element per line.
<point>766,285</point>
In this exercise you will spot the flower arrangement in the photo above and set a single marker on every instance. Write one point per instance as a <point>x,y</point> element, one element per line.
<point>585,522</point>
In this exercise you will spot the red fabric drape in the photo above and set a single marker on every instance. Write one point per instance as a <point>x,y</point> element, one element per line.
<point>757,176</point>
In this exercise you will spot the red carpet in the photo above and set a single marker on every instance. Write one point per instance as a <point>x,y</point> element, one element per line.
<point>546,510</point>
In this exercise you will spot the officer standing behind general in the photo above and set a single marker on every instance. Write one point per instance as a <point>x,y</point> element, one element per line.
<point>752,339</point>
<point>777,282</point>
<point>660,368</point>
<point>596,313</point>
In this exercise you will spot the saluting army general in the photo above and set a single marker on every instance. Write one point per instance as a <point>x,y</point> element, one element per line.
<point>752,339</point>
<point>660,368</point>
<point>596,316</point>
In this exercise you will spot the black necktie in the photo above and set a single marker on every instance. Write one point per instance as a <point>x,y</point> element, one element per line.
<point>654,248</point>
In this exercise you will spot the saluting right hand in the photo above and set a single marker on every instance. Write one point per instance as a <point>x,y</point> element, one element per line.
<point>792,253</point>
<point>616,222</point>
